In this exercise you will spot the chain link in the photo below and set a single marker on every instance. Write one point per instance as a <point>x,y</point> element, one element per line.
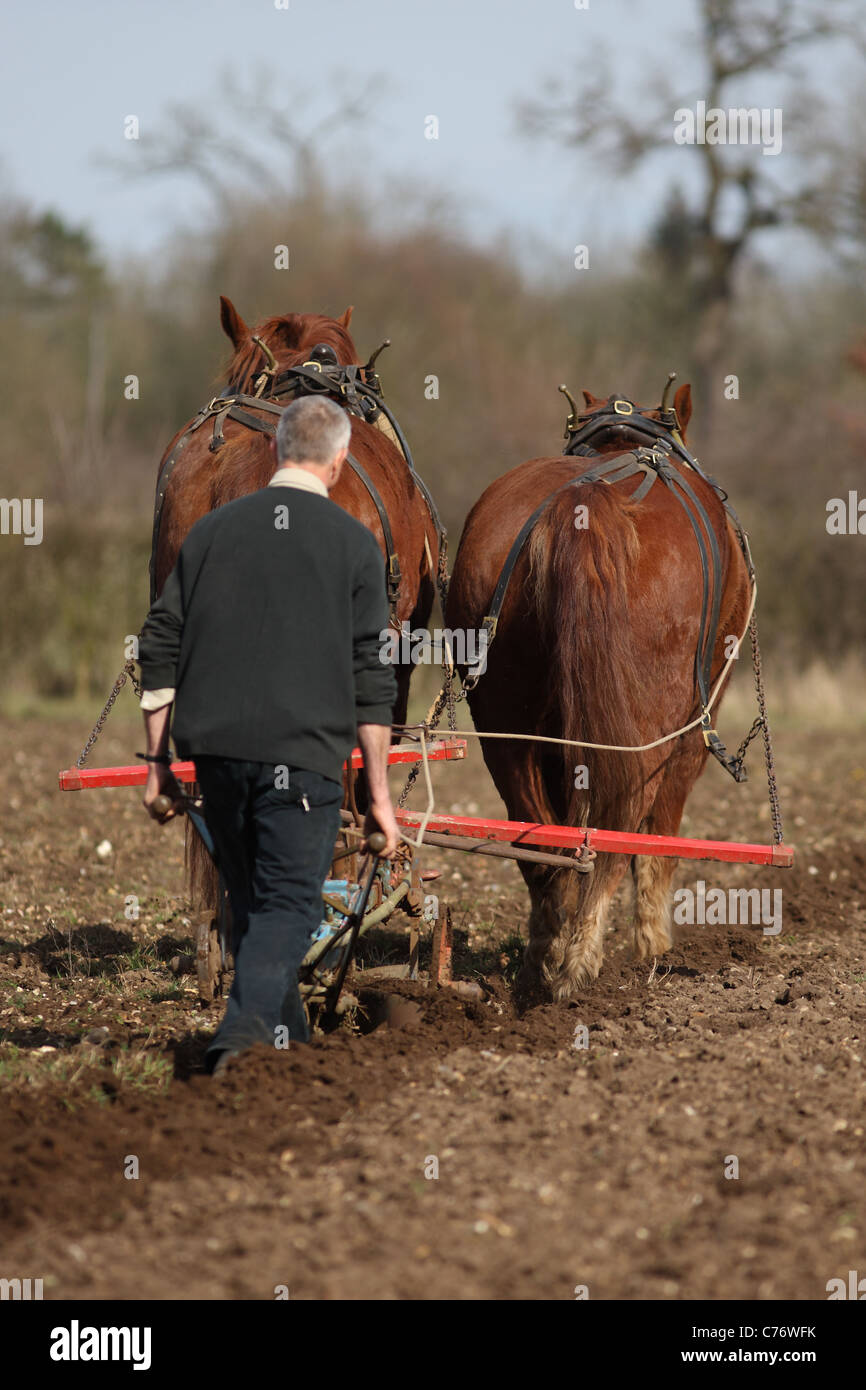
<point>128,673</point>
<point>410,782</point>
<point>446,694</point>
<point>739,756</point>
<point>430,723</point>
<point>763,723</point>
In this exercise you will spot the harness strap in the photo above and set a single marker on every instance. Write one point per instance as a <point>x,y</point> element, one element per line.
<point>393,574</point>
<point>664,435</point>
<point>652,463</point>
<point>419,482</point>
<point>230,407</point>
<point>704,656</point>
<point>615,465</point>
<point>162,487</point>
<point>244,417</point>
<point>732,764</point>
<point>218,438</point>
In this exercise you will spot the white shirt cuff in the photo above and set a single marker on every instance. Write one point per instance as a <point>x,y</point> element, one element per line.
<point>156,699</point>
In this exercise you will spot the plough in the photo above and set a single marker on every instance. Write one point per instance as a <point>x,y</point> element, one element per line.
<point>354,900</point>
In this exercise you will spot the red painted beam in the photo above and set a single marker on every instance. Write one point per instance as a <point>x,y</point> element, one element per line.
<point>79,779</point>
<point>606,841</point>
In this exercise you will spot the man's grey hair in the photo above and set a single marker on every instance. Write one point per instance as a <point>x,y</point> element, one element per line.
<point>312,430</point>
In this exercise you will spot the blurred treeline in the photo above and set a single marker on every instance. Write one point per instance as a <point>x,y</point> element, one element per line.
<point>499,340</point>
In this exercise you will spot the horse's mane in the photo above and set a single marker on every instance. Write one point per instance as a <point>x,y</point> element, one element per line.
<point>289,336</point>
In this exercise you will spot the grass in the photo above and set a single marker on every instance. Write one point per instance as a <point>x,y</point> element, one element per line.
<point>141,957</point>
<point>174,991</point>
<point>139,1069</point>
<point>142,1070</point>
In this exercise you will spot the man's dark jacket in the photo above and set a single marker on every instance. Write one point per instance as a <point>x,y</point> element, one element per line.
<point>270,633</point>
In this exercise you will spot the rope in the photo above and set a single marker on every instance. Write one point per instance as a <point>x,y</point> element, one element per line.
<point>428,810</point>
<point>446,695</point>
<point>613,747</point>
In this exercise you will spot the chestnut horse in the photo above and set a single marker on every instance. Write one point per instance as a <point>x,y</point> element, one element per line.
<point>596,640</point>
<point>200,478</point>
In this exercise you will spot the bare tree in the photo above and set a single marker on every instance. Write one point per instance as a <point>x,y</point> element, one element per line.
<point>741,193</point>
<point>252,139</point>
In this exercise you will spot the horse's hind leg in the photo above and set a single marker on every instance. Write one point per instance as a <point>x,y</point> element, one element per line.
<point>566,927</point>
<point>652,884</point>
<point>653,876</point>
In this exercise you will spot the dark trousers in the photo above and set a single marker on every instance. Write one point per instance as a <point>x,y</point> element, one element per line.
<point>274,846</point>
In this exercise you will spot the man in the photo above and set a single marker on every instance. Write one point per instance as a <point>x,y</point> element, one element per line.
<point>265,640</point>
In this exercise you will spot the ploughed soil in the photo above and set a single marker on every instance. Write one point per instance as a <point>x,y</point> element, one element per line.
<point>707,1141</point>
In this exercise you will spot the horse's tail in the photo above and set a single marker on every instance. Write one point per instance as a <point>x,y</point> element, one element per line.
<point>201,872</point>
<point>582,554</point>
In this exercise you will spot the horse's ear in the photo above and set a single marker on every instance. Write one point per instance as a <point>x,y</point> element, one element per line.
<point>345,319</point>
<point>592,400</point>
<point>683,405</point>
<point>233,325</point>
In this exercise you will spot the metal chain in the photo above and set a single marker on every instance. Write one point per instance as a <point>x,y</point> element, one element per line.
<point>430,724</point>
<point>451,698</point>
<point>128,673</point>
<point>739,756</point>
<point>446,694</point>
<point>442,580</point>
<point>763,723</point>
<point>410,782</point>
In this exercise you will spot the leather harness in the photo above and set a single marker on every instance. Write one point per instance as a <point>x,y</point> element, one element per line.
<point>356,388</point>
<point>648,463</point>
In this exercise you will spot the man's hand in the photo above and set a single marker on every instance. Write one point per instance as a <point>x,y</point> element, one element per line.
<point>375,740</point>
<point>381,816</point>
<point>160,778</point>
<point>161,781</point>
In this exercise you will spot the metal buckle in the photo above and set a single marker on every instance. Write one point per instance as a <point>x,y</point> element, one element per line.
<point>475,672</point>
<point>623,407</point>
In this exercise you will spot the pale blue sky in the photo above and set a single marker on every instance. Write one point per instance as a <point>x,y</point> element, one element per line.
<point>73,69</point>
